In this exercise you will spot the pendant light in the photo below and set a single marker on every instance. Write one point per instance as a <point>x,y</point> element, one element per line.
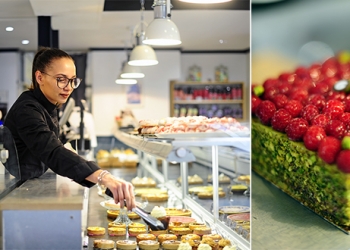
<point>129,71</point>
<point>142,54</point>
<point>121,80</point>
<point>162,31</point>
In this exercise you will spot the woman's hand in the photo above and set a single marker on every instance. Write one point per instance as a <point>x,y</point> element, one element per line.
<point>122,190</point>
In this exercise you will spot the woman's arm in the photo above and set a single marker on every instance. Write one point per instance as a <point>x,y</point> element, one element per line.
<point>122,190</point>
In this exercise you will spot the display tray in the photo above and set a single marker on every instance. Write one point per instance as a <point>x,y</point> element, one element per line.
<point>234,209</point>
<point>203,135</point>
<point>110,204</point>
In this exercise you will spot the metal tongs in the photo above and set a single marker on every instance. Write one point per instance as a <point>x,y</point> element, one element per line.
<point>151,221</point>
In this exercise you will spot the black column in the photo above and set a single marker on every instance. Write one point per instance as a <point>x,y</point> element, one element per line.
<point>46,36</point>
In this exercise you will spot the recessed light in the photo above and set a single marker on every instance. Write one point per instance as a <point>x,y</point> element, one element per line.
<point>222,41</point>
<point>25,41</point>
<point>9,28</point>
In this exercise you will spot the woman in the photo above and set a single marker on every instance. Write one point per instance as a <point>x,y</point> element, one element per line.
<point>33,122</point>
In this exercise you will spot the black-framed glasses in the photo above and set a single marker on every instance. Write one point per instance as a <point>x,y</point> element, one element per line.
<point>62,81</point>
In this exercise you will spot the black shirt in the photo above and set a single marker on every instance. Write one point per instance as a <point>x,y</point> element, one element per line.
<point>33,122</point>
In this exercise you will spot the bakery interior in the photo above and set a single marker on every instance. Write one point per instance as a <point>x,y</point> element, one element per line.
<point>198,177</point>
<point>287,35</point>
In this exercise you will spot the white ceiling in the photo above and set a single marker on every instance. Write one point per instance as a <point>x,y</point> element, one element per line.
<point>82,25</point>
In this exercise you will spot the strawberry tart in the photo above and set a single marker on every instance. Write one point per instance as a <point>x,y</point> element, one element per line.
<point>301,136</point>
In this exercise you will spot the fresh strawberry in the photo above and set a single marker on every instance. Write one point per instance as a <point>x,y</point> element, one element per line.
<point>320,120</point>
<point>296,129</point>
<point>303,83</point>
<point>280,120</point>
<point>270,93</point>
<point>336,95</point>
<point>336,129</point>
<point>265,111</point>
<point>318,100</point>
<point>346,102</point>
<point>315,72</point>
<point>294,107</point>
<point>345,118</point>
<point>287,77</point>
<point>309,112</point>
<point>280,100</point>
<point>321,88</point>
<point>302,72</point>
<point>300,95</point>
<point>255,103</point>
<point>313,136</point>
<point>328,149</point>
<point>284,88</point>
<point>343,160</point>
<point>334,109</point>
<point>271,82</point>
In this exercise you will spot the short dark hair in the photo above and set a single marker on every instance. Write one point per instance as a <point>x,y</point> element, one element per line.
<point>43,59</point>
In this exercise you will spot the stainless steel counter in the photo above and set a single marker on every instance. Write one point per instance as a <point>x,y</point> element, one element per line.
<point>280,222</point>
<point>44,213</point>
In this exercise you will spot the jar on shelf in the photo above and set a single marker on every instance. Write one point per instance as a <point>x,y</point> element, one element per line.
<point>194,74</point>
<point>221,74</point>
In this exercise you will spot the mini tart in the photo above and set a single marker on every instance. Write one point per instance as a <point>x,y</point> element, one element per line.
<point>104,244</point>
<point>112,214</point>
<point>158,232</point>
<point>202,230</point>
<point>136,231</point>
<point>143,182</point>
<point>196,224</point>
<point>223,243</point>
<point>96,231</point>
<point>204,246</point>
<point>116,231</point>
<point>176,224</point>
<point>181,230</point>
<point>188,237</point>
<point>178,212</point>
<point>136,224</point>
<point>213,243</point>
<point>170,244</point>
<point>155,197</point>
<point>164,237</point>
<point>148,244</point>
<point>113,224</point>
<point>209,195</point>
<point>193,243</point>
<point>145,237</point>
<point>126,244</point>
<point>212,236</point>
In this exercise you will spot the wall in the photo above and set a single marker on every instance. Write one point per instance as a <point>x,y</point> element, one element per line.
<point>109,98</point>
<point>10,80</point>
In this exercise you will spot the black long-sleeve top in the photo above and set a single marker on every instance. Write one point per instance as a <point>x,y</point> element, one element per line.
<point>33,122</point>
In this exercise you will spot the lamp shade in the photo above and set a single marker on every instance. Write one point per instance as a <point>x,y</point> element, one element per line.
<point>121,80</point>
<point>129,71</point>
<point>143,55</point>
<point>162,32</point>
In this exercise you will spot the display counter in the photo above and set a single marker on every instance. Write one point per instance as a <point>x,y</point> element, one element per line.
<point>48,212</point>
<point>178,149</point>
<point>280,222</point>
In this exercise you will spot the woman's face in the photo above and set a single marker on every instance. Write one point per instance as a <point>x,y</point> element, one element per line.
<point>62,68</point>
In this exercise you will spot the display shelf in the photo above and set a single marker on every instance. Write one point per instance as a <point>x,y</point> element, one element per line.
<point>211,99</point>
<point>178,150</point>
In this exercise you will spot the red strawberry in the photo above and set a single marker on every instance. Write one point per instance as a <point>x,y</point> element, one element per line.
<point>336,129</point>
<point>271,82</point>
<point>309,112</point>
<point>334,109</point>
<point>284,88</point>
<point>302,72</point>
<point>320,120</point>
<point>343,161</point>
<point>313,136</point>
<point>300,95</point>
<point>280,100</point>
<point>270,93</point>
<point>255,103</point>
<point>287,77</point>
<point>321,88</point>
<point>318,100</point>
<point>345,118</point>
<point>294,107</point>
<point>315,72</point>
<point>347,104</point>
<point>328,149</point>
<point>296,129</point>
<point>336,95</point>
<point>280,120</point>
<point>265,111</point>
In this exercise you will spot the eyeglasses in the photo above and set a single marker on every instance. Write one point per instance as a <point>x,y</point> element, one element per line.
<point>62,81</point>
